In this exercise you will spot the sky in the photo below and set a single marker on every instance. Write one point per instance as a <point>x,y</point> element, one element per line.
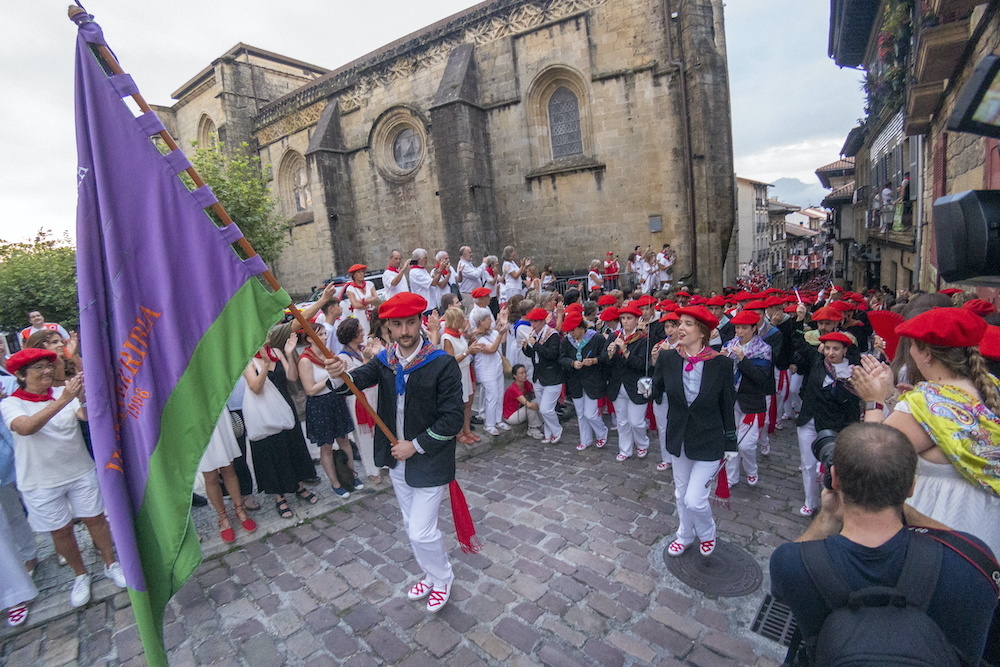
<point>792,106</point>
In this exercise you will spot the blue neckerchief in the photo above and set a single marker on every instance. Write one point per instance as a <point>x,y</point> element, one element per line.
<point>587,336</point>
<point>426,354</point>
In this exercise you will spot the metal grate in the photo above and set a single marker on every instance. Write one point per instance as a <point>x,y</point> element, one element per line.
<point>775,621</point>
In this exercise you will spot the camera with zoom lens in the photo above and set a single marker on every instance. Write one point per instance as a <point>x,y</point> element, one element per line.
<point>822,448</point>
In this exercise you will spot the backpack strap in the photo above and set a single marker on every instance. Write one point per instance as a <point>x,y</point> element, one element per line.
<point>824,575</point>
<point>979,558</point>
<point>919,576</point>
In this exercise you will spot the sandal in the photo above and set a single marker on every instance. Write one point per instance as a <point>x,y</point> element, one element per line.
<point>227,534</point>
<point>663,465</point>
<point>641,453</point>
<point>308,496</point>
<point>17,615</point>
<point>249,524</point>
<point>283,510</point>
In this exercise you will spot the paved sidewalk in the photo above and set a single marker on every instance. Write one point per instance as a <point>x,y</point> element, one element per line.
<point>571,572</point>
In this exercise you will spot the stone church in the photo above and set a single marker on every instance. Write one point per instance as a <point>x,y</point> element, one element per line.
<point>567,128</point>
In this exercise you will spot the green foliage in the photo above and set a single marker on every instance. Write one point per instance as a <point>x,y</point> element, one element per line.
<point>38,275</point>
<point>240,183</point>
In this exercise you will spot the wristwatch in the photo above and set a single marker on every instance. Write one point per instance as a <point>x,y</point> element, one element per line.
<point>873,405</point>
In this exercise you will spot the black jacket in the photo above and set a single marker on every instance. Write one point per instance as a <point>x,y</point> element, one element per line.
<point>433,413</point>
<point>832,407</point>
<point>545,356</point>
<point>627,372</point>
<point>784,356</point>
<point>706,428</point>
<point>755,380</point>
<point>592,380</point>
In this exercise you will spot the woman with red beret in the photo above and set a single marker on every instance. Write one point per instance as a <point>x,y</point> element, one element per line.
<point>629,360</point>
<point>752,377</point>
<point>583,356</point>
<point>361,295</point>
<point>952,417</point>
<point>698,383</point>
<point>669,320</point>
<point>543,348</point>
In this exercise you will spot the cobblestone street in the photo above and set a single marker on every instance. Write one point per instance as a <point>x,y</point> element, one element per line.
<point>571,572</point>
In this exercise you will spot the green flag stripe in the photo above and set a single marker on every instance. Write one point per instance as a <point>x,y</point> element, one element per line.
<point>168,543</point>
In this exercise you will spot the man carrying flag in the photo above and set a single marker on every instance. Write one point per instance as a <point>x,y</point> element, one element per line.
<point>420,398</point>
<point>169,316</point>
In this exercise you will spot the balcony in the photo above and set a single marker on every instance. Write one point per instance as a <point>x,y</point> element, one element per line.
<point>939,49</point>
<point>922,102</point>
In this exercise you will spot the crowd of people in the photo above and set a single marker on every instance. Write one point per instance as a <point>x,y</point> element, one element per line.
<point>708,377</point>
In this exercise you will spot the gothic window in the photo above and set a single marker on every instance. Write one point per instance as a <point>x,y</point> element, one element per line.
<point>293,183</point>
<point>207,132</point>
<point>564,124</point>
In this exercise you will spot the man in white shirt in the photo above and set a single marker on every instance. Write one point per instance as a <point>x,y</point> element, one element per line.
<point>420,278</point>
<point>442,283</point>
<point>38,323</point>
<point>664,264</point>
<point>395,276</point>
<point>469,277</point>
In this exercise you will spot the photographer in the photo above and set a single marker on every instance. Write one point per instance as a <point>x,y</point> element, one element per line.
<point>860,535</point>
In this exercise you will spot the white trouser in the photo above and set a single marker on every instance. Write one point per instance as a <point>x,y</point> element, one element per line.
<point>420,519</point>
<point>783,388</point>
<point>364,436</point>
<point>588,418</point>
<point>809,465</point>
<point>746,439</point>
<point>660,412</point>
<point>492,395</point>
<point>524,414</point>
<point>794,404</point>
<point>17,546</point>
<point>548,396</point>
<point>631,424</point>
<point>692,482</point>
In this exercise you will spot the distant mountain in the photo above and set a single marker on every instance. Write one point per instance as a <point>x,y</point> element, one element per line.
<point>794,191</point>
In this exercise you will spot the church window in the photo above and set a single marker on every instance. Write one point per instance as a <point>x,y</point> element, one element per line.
<point>399,144</point>
<point>407,149</point>
<point>564,124</point>
<point>207,132</point>
<point>293,183</point>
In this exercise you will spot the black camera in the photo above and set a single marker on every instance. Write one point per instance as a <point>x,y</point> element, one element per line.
<point>822,448</point>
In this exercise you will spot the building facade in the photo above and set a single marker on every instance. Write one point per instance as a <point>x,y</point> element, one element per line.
<point>752,225</point>
<point>567,128</point>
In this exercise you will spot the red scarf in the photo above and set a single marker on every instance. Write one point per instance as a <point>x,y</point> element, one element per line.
<point>311,356</point>
<point>443,273</point>
<point>362,417</point>
<point>705,354</point>
<point>489,270</point>
<point>33,398</point>
<point>270,355</point>
<point>453,332</point>
<point>392,268</point>
<point>636,335</point>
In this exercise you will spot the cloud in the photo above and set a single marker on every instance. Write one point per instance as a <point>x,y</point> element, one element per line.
<point>798,160</point>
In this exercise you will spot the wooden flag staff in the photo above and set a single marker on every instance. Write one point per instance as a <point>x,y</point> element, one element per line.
<point>115,67</point>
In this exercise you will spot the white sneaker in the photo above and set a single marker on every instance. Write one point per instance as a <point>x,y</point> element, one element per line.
<point>535,433</point>
<point>503,426</point>
<point>80,595</point>
<point>115,573</point>
<point>492,430</point>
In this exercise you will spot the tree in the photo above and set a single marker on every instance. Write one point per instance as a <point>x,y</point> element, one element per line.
<point>239,182</point>
<point>38,275</point>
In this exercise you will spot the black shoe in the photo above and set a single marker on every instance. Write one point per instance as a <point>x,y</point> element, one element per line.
<point>198,501</point>
<point>477,420</point>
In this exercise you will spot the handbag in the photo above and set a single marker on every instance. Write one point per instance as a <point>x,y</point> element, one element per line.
<point>266,413</point>
<point>239,429</point>
<point>507,368</point>
<point>644,385</point>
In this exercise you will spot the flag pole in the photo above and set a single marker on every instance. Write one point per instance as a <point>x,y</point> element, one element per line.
<point>112,63</point>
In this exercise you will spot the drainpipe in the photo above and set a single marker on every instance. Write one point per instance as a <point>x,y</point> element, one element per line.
<point>686,134</point>
<point>918,213</point>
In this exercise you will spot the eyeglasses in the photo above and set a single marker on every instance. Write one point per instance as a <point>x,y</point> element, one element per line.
<point>41,367</point>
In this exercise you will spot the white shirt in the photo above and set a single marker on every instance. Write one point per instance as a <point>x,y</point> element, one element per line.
<point>664,262</point>
<point>469,277</point>
<point>692,380</point>
<point>56,454</point>
<point>511,285</point>
<point>401,400</point>
<point>841,370</point>
<point>420,283</point>
<point>390,291</point>
<point>594,278</point>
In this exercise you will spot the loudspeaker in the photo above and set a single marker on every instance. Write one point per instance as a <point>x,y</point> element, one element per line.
<point>967,234</point>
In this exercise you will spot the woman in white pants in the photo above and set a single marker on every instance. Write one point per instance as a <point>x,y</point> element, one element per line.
<point>543,346</point>
<point>660,411</point>
<point>489,364</point>
<point>698,383</point>
<point>584,359</point>
<point>358,350</point>
<point>629,360</point>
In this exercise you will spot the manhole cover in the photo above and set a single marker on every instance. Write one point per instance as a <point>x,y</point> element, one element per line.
<point>729,572</point>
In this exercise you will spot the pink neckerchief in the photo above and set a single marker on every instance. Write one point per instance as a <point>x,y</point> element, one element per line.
<point>705,354</point>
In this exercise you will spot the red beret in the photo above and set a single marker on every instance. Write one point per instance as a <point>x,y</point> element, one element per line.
<point>951,291</point>
<point>630,309</point>
<point>743,296</point>
<point>698,299</point>
<point>606,300</point>
<point>608,314</point>
<point>610,254</point>
<point>791,308</point>
<point>537,315</point>
<point>480,292</point>
<point>669,316</point>
<point>774,301</point>
<point>827,314</point>
<point>644,300</point>
<point>989,346</point>
<point>682,293</point>
<point>716,301</point>
<point>596,287</point>
<point>574,307</point>
<point>837,337</point>
<point>28,356</point>
<point>757,304</point>
<point>700,313</point>
<point>572,321</point>
<point>979,307</point>
<point>746,317</point>
<point>573,282</point>
<point>945,327</point>
<point>844,305</point>
<point>356,267</point>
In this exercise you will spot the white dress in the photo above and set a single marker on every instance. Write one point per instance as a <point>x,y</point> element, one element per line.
<point>222,447</point>
<point>511,285</point>
<point>362,315</point>
<point>459,345</point>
